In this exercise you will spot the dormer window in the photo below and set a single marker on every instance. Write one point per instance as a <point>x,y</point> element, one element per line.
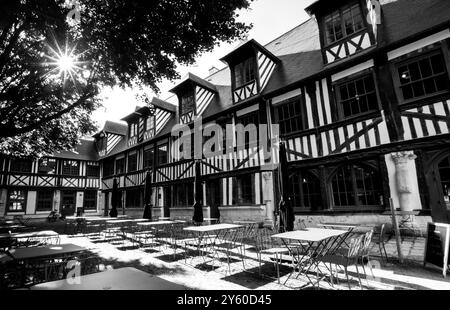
<point>150,123</point>
<point>343,23</point>
<point>187,103</point>
<point>244,72</point>
<point>133,129</point>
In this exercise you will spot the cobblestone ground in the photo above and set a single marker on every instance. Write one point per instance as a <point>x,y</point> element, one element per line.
<point>196,272</point>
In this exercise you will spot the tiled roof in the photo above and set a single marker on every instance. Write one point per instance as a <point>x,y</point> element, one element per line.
<point>115,128</point>
<point>86,150</point>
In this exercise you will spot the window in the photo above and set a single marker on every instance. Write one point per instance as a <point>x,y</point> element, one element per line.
<point>356,186</point>
<point>120,165</point>
<point>133,129</point>
<point>108,167</point>
<point>47,166</point>
<point>21,165</point>
<point>132,162</point>
<point>243,189</point>
<point>357,96</point>
<point>343,23</point>
<point>162,154</point>
<point>148,158</point>
<point>187,103</point>
<point>183,194</point>
<point>44,200</point>
<point>92,169</point>
<point>135,198</point>
<point>244,72</point>
<point>444,173</point>
<point>71,167</point>
<point>214,192</point>
<point>90,200</point>
<point>423,76</point>
<point>251,118</point>
<point>68,199</point>
<point>305,190</point>
<point>150,123</point>
<point>289,117</point>
<point>17,200</point>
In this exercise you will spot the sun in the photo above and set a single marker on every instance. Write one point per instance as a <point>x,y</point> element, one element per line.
<point>65,62</point>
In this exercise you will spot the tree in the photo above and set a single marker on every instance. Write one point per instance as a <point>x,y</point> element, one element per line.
<point>52,67</point>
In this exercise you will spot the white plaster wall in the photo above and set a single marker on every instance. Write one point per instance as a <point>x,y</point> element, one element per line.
<point>3,193</point>
<point>79,200</point>
<point>31,202</point>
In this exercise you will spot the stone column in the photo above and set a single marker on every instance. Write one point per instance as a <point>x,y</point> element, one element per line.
<point>405,177</point>
<point>268,198</point>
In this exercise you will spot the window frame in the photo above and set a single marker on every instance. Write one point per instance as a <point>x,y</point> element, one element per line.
<point>109,163</point>
<point>23,165</point>
<point>90,200</point>
<point>145,159</point>
<point>415,57</point>
<point>9,200</point>
<point>193,109</point>
<point>302,207</point>
<point>135,163</point>
<point>238,180</point>
<point>153,121</point>
<point>39,200</point>
<point>242,68</point>
<point>336,85</point>
<point>354,189</point>
<point>47,160</point>
<point>70,170</point>
<point>122,160</point>
<point>345,36</point>
<point>89,170</point>
<point>133,129</point>
<point>158,162</point>
<point>303,114</point>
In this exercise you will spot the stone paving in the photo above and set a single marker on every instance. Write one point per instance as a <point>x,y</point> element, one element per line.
<point>199,274</point>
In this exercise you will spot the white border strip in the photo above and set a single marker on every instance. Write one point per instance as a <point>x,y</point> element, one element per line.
<point>247,110</point>
<point>444,34</point>
<point>352,70</point>
<point>288,95</point>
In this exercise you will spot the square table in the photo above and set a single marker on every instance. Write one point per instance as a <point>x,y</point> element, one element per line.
<point>127,278</point>
<point>349,227</point>
<point>209,233</point>
<point>319,242</point>
<point>50,251</point>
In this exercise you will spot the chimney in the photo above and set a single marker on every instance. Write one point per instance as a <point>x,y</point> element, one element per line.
<point>212,70</point>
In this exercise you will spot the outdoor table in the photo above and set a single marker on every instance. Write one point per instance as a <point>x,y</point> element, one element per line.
<point>209,233</point>
<point>117,279</point>
<point>349,227</point>
<point>26,239</point>
<point>49,251</point>
<point>33,259</point>
<point>163,218</point>
<point>318,243</point>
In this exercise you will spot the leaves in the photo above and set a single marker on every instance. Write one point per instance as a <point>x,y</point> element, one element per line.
<point>126,43</point>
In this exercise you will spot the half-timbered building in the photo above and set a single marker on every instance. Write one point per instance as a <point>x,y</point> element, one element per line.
<point>361,94</point>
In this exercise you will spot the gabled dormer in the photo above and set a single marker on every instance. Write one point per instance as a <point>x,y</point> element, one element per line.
<point>347,27</point>
<point>145,122</point>
<point>251,65</point>
<point>194,95</point>
<point>108,138</point>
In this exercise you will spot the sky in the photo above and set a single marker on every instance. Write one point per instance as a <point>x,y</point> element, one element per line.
<point>270,18</point>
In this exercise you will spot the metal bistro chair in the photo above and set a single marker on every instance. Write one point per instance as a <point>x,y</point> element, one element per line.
<point>364,253</point>
<point>380,241</point>
<point>351,259</point>
<point>265,245</point>
<point>229,241</point>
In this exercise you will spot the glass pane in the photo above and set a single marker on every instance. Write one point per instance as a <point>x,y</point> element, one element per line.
<point>403,74</point>
<point>429,86</point>
<point>418,89</point>
<point>407,92</point>
<point>425,68</point>
<point>442,82</point>
<point>438,64</point>
<point>414,71</point>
